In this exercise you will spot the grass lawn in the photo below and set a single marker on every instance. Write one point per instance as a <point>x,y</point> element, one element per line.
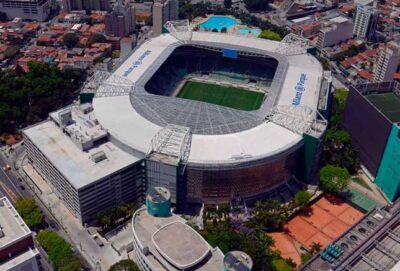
<point>237,98</point>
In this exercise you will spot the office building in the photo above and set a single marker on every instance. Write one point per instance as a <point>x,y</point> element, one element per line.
<point>164,241</point>
<point>35,10</point>
<point>17,249</point>
<point>387,63</point>
<point>163,11</point>
<point>71,151</point>
<point>121,20</point>
<point>373,243</point>
<point>365,22</point>
<point>127,45</point>
<point>88,5</point>
<point>337,30</point>
<point>372,117</point>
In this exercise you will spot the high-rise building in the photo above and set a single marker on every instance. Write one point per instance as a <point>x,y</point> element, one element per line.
<point>70,5</point>
<point>121,20</point>
<point>365,22</point>
<point>387,63</point>
<point>17,249</point>
<point>337,30</point>
<point>35,10</point>
<point>163,11</point>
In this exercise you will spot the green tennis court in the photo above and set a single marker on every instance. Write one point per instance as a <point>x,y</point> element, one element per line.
<point>232,97</point>
<point>388,104</point>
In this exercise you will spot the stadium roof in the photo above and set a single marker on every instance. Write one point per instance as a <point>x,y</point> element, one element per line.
<point>221,135</point>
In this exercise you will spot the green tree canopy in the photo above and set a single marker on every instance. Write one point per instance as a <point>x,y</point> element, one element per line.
<point>124,265</point>
<point>301,199</point>
<point>269,214</point>
<point>59,251</point>
<point>96,38</point>
<point>70,39</point>
<point>334,179</point>
<point>270,35</point>
<point>27,98</point>
<point>29,212</point>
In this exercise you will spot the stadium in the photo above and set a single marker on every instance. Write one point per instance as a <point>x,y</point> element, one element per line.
<point>217,117</point>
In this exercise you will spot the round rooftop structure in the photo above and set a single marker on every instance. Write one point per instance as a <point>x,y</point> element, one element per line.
<point>158,201</point>
<point>237,261</point>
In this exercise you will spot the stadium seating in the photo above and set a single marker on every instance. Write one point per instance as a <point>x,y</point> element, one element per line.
<point>197,62</point>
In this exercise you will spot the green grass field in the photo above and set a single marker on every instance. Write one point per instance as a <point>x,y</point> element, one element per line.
<point>237,98</point>
<point>388,103</point>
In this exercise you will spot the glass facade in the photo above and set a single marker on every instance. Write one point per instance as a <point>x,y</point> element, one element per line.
<point>222,185</point>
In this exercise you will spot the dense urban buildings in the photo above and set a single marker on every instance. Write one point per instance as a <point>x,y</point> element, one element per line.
<point>365,22</point>
<point>73,154</point>
<point>38,10</point>
<point>373,243</point>
<point>163,11</point>
<point>17,249</point>
<point>374,129</point>
<point>121,20</point>
<point>74,5</point>
<point>388,63</point>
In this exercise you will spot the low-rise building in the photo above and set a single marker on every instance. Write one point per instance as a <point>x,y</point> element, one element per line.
<point>337,30</point>
<point>72,152</point>
<point>17,249</point>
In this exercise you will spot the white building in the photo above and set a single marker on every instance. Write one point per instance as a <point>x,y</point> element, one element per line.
<point>365,22</point>
<point>17,250</point>
<point>337,30</point>
<point>87,171</point>
<point>36,10</point>
<point>387,63</point>
<point>163,11</point>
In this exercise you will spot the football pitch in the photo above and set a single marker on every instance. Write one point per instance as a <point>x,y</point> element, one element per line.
<point>388,104</point>
<point>233,97</point>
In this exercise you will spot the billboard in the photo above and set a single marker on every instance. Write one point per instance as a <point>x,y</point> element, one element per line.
<point>230,53</point>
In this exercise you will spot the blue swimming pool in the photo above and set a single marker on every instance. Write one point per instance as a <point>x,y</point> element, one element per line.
<point>218,22</point>
<point>249,31</point>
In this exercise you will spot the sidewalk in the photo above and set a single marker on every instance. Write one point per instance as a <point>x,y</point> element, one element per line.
<point>100,258</point>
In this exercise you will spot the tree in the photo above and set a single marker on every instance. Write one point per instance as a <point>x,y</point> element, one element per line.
<point>26,98</point>
<point>228,4</point>
<point>315,248</point>
<point>257,5</point>
<point>96,38</point>
<point>115,54</point>
<point>70,39</point>
<point>124,265</point>
<point>301,199</point>
<point>223,30</point>
<point>269,214</point>
<point>270,35</point>
<point>334,179</point>
<point>29,212</point>
<point>59,251</point>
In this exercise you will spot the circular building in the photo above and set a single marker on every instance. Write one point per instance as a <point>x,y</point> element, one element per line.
<point>217,117</point>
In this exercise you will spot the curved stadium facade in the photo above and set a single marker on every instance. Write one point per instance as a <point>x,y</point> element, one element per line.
<point>207,151</point>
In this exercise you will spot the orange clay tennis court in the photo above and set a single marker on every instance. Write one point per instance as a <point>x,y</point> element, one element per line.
<point>323,222</point>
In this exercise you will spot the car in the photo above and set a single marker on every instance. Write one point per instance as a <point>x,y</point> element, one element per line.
<point>22,187</point>
<point>97,240</point>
